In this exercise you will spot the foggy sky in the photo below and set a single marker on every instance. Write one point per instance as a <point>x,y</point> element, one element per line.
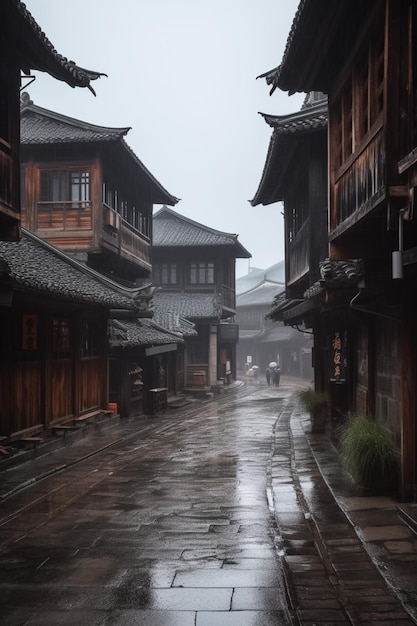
<point>182,74</point>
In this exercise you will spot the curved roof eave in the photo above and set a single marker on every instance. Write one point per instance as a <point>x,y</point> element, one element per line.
<point>36,52</point>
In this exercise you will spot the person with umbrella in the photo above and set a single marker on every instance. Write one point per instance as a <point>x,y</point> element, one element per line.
<point>268,376</point>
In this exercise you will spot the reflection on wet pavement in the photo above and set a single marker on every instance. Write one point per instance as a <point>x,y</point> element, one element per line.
<point>172,527</point>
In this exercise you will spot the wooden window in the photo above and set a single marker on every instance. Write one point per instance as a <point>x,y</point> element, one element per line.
<point>65,185</point>
<point>61,337</point>
<point>24,334</point>
<point>80,185</point>
<point>89,337</point>
<point>201,273</point>
<point>168,274</point>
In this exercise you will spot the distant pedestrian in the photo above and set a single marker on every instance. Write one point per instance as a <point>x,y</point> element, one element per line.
<point>268,376</point>
<point>276,376</point>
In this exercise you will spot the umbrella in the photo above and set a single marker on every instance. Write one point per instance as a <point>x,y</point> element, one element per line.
<point>255,367</point>
<point>273,364</point>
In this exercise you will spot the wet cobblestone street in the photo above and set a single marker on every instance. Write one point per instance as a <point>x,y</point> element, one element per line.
<point>226,512</point>
<point>170,526</point>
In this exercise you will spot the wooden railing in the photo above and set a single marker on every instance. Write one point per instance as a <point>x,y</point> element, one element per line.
<point>69,215</point>
<point>124,237</point>
<point>358,186</point>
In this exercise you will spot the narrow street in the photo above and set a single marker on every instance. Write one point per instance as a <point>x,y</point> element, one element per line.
<point>226,512</point>
<point>169,526</point>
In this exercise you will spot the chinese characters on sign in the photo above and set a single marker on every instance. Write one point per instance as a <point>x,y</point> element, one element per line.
<point>338,365</point>
<point>29,332</point>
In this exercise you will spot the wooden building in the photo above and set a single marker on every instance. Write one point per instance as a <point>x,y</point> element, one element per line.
<point>364,57</point>
<point>295,173</point>
<point>145,365</point>
<point>23,47</point>
<point>86,192</point>
<point>194,272</point>
<point>53,332</point>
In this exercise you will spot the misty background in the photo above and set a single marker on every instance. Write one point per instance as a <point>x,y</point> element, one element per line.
<point>183,75</point>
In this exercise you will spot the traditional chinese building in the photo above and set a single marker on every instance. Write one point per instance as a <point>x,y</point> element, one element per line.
<point>194,272</point>
<point>23,47</point>
<point>363,56</point>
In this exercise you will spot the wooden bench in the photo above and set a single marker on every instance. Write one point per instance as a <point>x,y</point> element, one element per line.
<point>85,419</point>
<point>29,442</point>
<point>63,429</point>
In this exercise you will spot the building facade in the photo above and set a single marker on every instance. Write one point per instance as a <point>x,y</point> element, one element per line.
<point>364,294</point>
<point>194,275</point>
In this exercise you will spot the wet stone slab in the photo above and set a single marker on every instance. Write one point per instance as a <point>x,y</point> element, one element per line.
<point>241,618</point>
<point>226,578</point>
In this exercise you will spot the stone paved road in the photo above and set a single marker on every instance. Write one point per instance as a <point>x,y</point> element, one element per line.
<point>171,526</point>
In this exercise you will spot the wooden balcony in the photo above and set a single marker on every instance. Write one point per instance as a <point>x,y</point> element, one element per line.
<point>359,186</point>
<point>123,238</point>
<point>64,216</point>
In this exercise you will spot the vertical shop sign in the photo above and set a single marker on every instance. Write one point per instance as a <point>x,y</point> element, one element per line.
<point>29,332</point>
<point>338,352</point>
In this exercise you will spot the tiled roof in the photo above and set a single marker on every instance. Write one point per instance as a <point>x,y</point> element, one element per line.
<point>40,126</point>
<point>262,295</point>
<point>170,229</point>
<point>272,76</point>
<point>140,333</point>
<point>191,306</point>
<point>174,322</point>
<point>146,332</point>
<point>36,266</point>
<point>279,333</point>
<point>312,118</point>
<point>36,52</point>
<point>274,274</point>
<point>308,118</point>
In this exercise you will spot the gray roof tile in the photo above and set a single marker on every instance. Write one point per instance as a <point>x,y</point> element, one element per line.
<point>39,267</point>
<point>186,305</point>
<point>170,229</point>
<point>262,295</point>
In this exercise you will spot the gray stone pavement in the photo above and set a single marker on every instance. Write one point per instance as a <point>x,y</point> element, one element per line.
<point>347,559</point>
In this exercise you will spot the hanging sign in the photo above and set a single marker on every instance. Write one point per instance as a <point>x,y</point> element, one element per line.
<point>338,355</point>
<point>29,332</point>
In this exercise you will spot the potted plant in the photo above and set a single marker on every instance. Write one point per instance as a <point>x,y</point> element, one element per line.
<point>316,403</point>
<point>369,453</point>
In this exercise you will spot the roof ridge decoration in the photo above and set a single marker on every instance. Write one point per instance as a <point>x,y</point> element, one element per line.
<point>311,117</point>
<point>340,274</point>
<point>46,57</point>
<point>272,76</point>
